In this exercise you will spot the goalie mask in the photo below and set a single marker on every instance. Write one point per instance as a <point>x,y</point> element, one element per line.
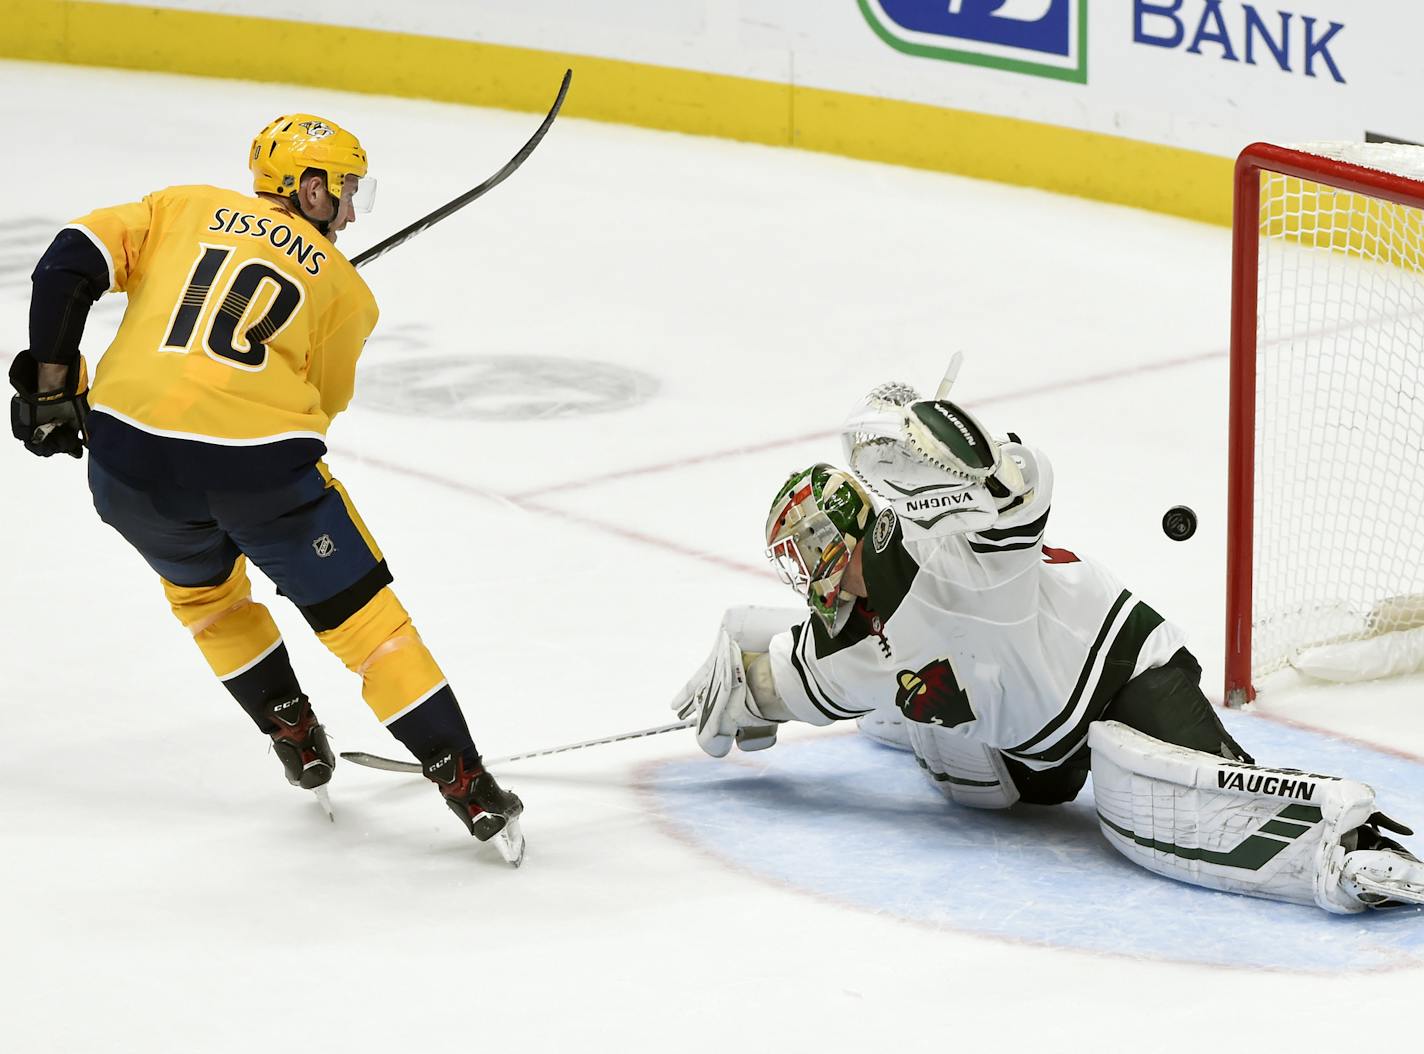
<point>816,520</point>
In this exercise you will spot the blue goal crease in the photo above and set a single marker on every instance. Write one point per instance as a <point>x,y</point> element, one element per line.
<point>844,818</point>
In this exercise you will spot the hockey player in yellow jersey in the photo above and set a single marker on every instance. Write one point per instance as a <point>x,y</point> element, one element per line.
<point>206,426</point>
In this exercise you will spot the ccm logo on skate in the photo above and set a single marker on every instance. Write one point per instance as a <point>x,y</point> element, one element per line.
<point>1258,784</point>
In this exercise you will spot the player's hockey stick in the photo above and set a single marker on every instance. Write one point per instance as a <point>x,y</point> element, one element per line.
<point>426,222</point>
<point>375,761</point>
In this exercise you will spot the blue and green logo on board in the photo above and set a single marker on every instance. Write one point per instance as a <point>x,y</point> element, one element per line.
<point>1046,38</point>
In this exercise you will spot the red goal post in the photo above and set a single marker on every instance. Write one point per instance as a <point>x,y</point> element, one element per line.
<point>1327,345</point>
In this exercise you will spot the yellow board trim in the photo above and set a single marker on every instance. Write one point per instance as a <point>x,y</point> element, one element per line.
<point>1026,153</point>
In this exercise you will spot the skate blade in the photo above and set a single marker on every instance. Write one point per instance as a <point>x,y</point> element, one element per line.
<point>1400,892</point>
<point>509,840</point>
<point>323,798</point>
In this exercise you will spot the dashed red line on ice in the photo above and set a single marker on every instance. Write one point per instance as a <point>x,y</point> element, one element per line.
<point>526,503</point>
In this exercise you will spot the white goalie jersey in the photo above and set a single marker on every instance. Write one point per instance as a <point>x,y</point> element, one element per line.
<point>974,624</point>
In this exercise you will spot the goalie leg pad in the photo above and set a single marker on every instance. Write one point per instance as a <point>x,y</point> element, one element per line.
<point>966,772</point>
<point>1198,818</point>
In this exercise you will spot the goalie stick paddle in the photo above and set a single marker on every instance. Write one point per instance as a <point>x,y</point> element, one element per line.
<point>375,761</point>
<point>426,222</point>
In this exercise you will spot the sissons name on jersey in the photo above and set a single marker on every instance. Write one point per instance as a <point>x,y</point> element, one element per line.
<point>230,221</point>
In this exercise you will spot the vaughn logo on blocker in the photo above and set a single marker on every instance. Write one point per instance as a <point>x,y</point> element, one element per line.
<point>1047,38</point>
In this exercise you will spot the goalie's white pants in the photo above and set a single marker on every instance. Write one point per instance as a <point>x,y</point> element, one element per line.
<point>966,772</point>
<point>1225,825</point>
<point>886,725</point>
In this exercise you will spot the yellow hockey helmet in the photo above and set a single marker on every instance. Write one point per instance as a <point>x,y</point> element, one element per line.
<point>290,145</point>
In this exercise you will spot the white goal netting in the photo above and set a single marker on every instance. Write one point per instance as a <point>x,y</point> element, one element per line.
<point>1339,478</point>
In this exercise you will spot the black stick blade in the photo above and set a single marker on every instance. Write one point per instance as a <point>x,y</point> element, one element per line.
<point>428,221</point>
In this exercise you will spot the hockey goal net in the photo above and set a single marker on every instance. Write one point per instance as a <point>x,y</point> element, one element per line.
<point>1325,558</point>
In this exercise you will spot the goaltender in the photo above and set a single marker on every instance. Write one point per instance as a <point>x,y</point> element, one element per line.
<point>1012,669</point>
<point>206,427</point>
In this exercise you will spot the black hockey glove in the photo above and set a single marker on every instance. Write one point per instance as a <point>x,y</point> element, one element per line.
<point>51,422</point>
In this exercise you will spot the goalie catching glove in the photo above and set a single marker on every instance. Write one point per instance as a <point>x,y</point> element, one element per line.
<point>895,436</point>
<point>49,422</point>
<point>718,697</point>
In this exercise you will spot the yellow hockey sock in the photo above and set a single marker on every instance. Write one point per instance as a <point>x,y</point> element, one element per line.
<point>380,643</point>
<point>230,629</point>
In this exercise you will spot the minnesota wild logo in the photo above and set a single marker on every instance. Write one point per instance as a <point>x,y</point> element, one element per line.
<point>932,696</point>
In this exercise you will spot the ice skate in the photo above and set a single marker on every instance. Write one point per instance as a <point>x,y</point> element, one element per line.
<point>1384,878</point>
<point>300,744</point>
<point>488,812</point>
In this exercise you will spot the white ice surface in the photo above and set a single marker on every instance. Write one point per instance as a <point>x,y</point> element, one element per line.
<point>162,889</point>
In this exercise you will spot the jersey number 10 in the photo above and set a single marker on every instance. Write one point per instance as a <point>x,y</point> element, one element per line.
<point>247,350</point>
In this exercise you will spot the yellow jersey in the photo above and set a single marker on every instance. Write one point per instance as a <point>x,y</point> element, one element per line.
<point>239,342</point>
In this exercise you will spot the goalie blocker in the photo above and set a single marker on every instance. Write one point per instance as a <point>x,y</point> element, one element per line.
<point>731,695</point>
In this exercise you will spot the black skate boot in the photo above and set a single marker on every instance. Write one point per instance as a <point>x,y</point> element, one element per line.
<point>300,744</point>
<point>487,811</point>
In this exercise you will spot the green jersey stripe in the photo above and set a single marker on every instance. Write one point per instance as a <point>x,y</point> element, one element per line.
<point>1118,666</point>
<point>1067,712</point>
<point>984,547</point>
<point>820,699</point>
<point>1027,530</point>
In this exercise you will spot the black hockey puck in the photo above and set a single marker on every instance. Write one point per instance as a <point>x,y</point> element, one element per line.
<point>1179,523</point>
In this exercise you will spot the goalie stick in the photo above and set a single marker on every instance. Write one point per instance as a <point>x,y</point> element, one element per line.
<point>450,207</point>
<point>375,761</point>
<point>951,374</point>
